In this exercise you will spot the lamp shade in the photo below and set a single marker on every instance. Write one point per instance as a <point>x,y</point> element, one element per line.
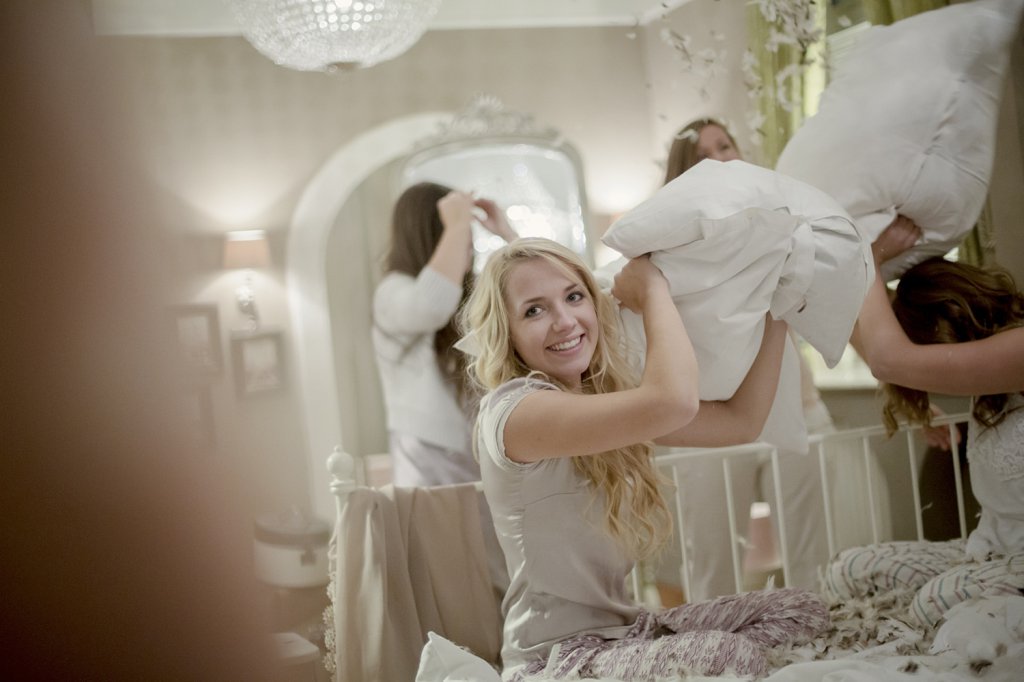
<point>246,249</point>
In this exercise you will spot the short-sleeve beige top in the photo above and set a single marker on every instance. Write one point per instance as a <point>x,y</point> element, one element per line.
<point>568,575</point>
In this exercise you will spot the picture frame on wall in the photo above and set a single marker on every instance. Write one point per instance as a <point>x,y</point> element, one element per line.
<point>258,362</point>
<point>196,328</point>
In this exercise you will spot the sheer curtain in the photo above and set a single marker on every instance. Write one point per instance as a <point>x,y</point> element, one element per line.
<point>888,11</point>
<point>789,76</point>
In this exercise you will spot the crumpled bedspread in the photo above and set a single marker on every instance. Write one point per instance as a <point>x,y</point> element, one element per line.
<point>873,640</point>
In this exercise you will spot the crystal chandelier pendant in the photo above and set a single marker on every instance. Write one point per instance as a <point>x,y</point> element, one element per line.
<point>327,35</point>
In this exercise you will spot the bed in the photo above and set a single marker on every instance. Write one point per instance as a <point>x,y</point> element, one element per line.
<point>411,596</point>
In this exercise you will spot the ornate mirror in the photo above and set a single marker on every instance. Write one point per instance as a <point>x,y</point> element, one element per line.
<point>341,229</point>
<point>531,172</point>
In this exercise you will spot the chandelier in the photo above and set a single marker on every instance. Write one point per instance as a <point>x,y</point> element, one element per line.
<point>327,35</point>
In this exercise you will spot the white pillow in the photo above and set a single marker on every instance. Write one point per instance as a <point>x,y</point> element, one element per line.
<point>978,627</point>
<point>445,661</point>
<point>719,377</point>
<point>908,124</point>
<point>737,241</point>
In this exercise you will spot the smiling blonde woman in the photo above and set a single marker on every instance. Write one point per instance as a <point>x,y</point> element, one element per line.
<point>564,439</point>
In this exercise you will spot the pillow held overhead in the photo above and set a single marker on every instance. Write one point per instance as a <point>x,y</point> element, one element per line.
<point>736,241</point>
<point>908,124</point>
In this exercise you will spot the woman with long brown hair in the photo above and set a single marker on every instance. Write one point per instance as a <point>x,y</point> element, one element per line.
<point>712,567</point>
<point>953,329</point>
<point>703,138</point>
<point>429,273</point>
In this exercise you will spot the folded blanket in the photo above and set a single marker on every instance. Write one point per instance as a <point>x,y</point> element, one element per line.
<point>395,578</point>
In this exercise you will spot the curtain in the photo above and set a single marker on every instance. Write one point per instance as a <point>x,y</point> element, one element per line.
<point>978,247</point>
<point>789,78</point>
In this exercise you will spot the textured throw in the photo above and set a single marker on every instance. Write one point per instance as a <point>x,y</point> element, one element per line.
<point>939,574</point>
<point>725,635</point>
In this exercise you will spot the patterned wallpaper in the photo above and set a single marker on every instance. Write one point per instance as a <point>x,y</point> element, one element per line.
<point>233,138</point>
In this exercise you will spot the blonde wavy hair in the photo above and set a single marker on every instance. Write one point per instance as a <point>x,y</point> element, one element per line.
<point>635,512</point>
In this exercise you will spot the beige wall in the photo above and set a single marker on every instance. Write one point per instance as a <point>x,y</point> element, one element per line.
<point>234,137</point>
<point>679,94</point>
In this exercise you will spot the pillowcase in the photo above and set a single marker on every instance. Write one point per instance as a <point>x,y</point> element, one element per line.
<point>737,241</point>
<point>784,427</point>
<point>908,124</point>
<point>444,661</point>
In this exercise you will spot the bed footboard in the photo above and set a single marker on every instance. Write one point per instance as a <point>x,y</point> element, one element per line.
<point>828,449</point>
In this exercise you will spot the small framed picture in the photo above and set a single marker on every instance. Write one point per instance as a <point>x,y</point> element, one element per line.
<point>258,361</point>
<point>197,330</point>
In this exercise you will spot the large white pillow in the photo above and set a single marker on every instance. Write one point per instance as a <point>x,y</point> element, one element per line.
<point>444,661</point>
<point>737,241</point>
<point>908,124</point>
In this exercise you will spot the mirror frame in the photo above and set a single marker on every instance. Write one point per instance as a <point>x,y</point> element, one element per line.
<point>550,141</point>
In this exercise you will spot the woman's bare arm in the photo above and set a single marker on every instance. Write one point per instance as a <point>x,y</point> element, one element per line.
<point>561,424</point>
<point>986,366</point>
<point>740,418</point>
<point>452,256</point>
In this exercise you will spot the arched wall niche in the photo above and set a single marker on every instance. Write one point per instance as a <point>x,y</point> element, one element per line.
<point>306,278</point>
<point>338,232</point>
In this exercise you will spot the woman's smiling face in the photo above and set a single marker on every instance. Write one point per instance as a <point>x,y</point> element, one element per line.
<point>553,320</point>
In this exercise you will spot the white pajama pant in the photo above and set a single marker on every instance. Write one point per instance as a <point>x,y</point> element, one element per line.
<point>940,575</point>
<point>706,521</point>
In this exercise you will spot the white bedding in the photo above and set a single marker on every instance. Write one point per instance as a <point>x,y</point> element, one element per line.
<point>869,642</point>
<point>901,658</point>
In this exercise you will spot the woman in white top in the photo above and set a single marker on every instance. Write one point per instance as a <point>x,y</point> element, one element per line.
<point>429,273</point>
<point>564,440</point>
<point>955,329</point>
<point>711,568</point>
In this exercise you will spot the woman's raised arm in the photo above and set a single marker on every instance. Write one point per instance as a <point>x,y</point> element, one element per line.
<point>562,424</point>
<point>991,365</point>
<point>740,418</point>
